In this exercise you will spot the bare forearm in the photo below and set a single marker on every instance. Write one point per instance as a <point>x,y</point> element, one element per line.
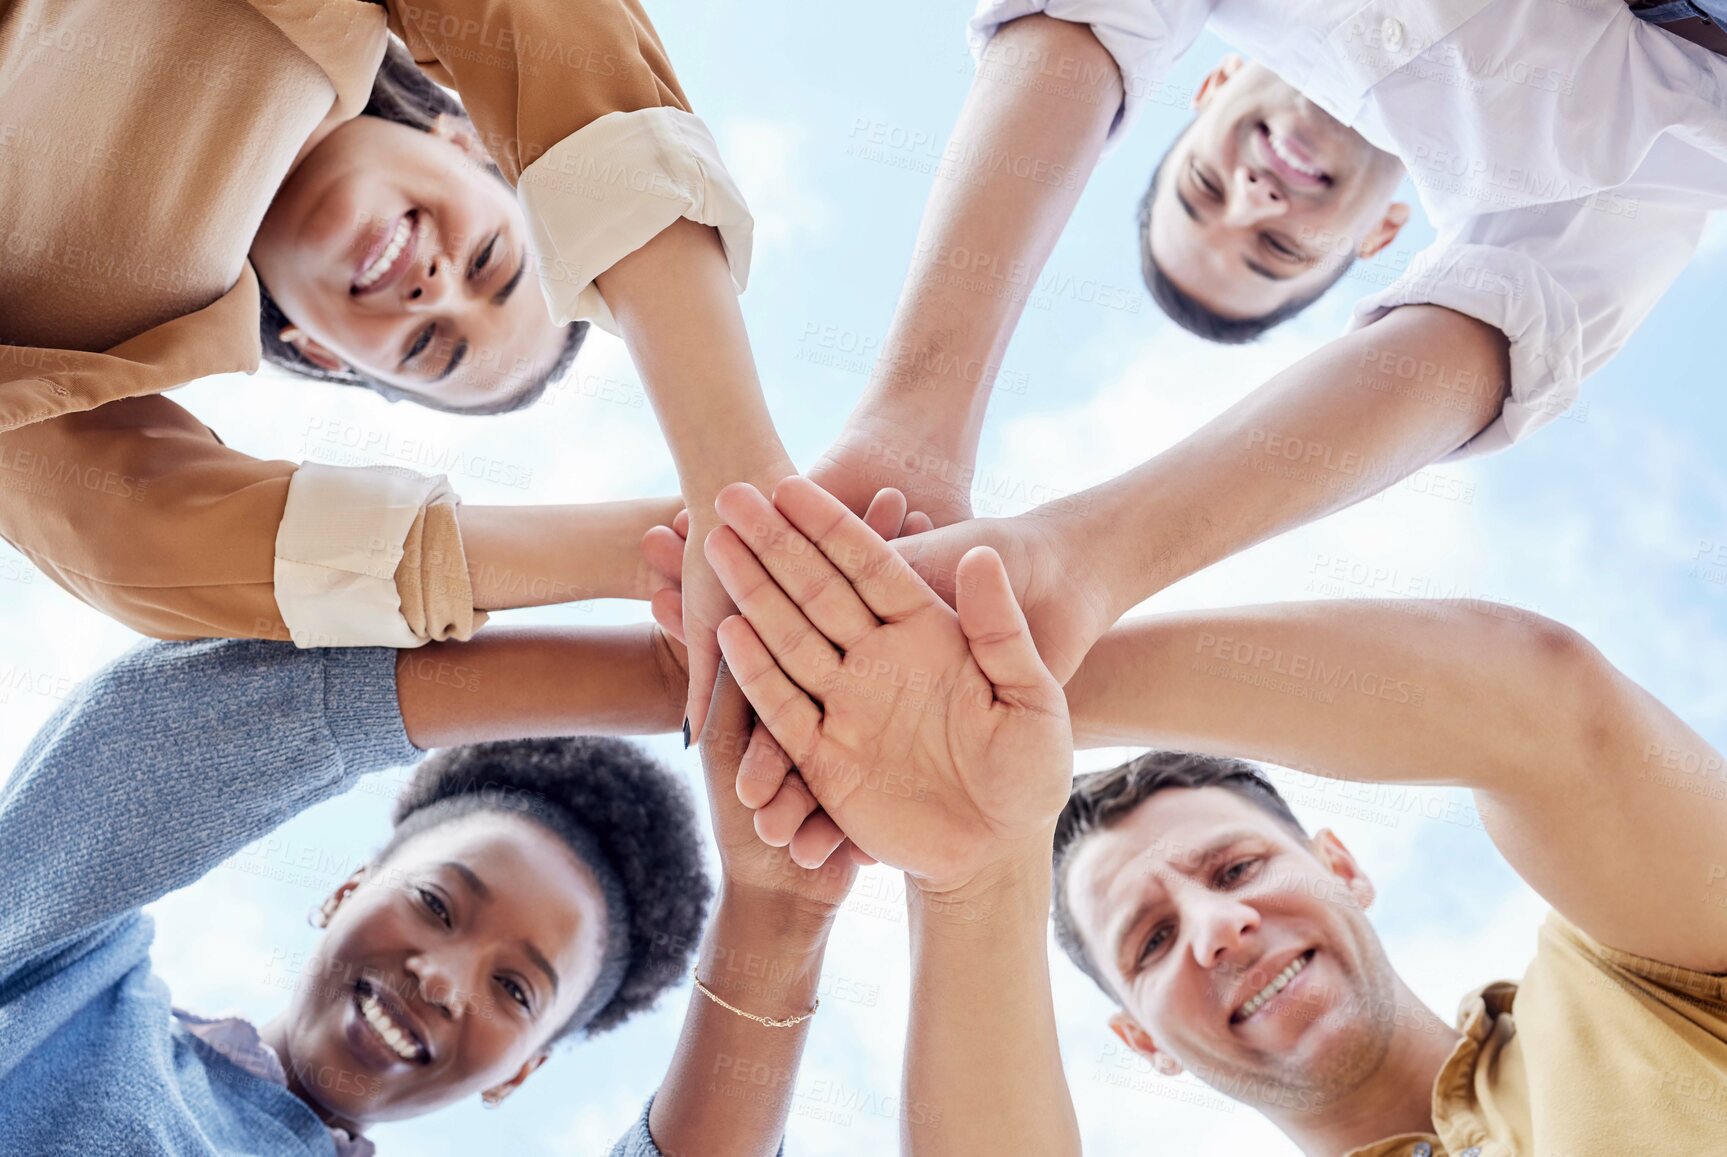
<point>528,682</point>
<point>1394,691</point>
<point>674,302</point>
<point>1019,158</point>
<point>1341,425</point>
<point>531,556</point>
<point>983,1068</point>
<point>729,1088</point>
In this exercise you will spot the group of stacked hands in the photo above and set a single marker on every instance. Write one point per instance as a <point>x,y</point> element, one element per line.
<point>873,675</point>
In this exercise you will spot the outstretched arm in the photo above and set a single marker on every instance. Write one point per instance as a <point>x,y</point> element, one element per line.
<point>1602,799</point>
<point>1019,157</point>
<point>1339,426</point>
<point>678,311</point>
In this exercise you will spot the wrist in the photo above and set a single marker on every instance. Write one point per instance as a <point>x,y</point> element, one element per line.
<point>1012,891</point>
<point>763,957</point>
<point>775,917</point>
<point>762,464</point>
<point>1088,531</point>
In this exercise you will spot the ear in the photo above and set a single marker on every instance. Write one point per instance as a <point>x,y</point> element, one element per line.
<point>1137,1039</point>
<point>336,899</point>
<point>459,131</point>
<point>1336,858</point>
<point>1216,78</point>
<point>497,1094</point>
<point>311,349</point>
<point>1384,233</point>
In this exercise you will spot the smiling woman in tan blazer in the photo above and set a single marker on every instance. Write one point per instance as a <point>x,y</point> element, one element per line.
<point>157,162</point>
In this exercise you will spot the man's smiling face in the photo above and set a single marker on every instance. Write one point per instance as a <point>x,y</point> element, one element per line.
<point>1265,197</point>
<point>1237,948</point>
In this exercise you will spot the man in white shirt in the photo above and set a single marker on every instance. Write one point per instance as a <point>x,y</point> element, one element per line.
<point>1568,156</point>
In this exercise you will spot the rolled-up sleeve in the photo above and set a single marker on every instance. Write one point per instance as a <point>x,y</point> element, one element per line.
<point>139,510</point>
<point>1145,37</point>
<point>577,103</point>
<point>1566,283</point>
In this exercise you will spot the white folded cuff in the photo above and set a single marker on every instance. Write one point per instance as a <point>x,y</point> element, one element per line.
<point>1516,295</point>
<point>606,190</point>
<point>1145,37</point>
<point>338,548</point>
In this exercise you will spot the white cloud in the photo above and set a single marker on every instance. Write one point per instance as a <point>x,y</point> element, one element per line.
<point>765,157</point>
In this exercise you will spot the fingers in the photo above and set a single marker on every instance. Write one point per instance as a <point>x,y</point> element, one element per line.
<point>995,626</point>
<point>780,704</point>
<point>796,645</point>
<point>668,610</point>
<point>817,838</point>
<point>917,522</point>
<point>800,570</point>
<point>860,857</point>
<point>762,769</point>
<point>779,820</point>
<point>885,583</point>
<point>663,551</point>
<point>886,513</point>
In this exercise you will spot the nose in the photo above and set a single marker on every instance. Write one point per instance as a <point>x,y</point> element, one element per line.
<point>439,981</point>
<point>1219,925</point>
<point>428,284</point>
<point>1254,197</point>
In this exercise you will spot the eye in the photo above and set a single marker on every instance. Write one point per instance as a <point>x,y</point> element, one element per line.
<point>484,256</point>
<point>1277,246</point>
<point>516,992</point>
<point>435,905</point>
<point>1237,872</point>
<point>1158,938</point>
<point>421,341</point>
<point>1206,185</point>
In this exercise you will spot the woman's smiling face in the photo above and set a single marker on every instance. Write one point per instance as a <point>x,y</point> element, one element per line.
<point>398,254</point>
<point>445,971</point>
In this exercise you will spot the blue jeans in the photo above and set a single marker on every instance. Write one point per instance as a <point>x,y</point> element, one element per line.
<point>1714,11</point>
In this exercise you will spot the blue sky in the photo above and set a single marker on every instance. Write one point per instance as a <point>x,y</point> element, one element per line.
<point>1606,521</point>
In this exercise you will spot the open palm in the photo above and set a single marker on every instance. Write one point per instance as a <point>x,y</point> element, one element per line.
<point>934,738</point>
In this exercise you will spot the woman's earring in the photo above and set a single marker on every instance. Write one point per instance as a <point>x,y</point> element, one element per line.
<point>319,916</point>
<point>290,334</point>
<point>491,1100</point>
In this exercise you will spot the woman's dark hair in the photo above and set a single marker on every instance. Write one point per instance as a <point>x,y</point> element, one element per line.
<point>611,793</point>
<point>403,94</point>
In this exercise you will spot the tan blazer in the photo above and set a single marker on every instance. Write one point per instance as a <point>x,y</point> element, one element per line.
<point>120,495</point>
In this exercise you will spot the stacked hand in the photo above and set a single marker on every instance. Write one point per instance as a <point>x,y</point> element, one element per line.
<point>937,742</point>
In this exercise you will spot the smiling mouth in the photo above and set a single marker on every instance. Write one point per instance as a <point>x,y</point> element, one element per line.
<point>396,1036</point>
<point>385,262</point>
<point>1278,983</point>
<point>1292,162</point>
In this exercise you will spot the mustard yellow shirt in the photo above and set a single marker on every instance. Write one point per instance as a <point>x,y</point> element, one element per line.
<point>1596,1053</point>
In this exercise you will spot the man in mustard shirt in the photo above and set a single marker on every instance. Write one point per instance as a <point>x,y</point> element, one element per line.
<point>1236,944</point>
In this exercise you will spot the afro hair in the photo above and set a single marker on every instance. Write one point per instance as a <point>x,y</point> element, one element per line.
<point>640,813</point>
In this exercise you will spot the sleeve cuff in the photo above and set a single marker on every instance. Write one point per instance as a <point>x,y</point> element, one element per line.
<point>363,711</point>
<point>1519,297</point>
<point>606,190</point>
<point>339,547</point>
<point>1143,40</point>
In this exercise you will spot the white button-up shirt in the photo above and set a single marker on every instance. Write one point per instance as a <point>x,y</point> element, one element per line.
<point>1566,152</point>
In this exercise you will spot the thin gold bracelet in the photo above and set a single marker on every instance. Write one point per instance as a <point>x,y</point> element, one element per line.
<point>770,1021</point>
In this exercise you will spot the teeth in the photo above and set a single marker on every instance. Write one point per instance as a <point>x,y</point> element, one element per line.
<point>402,1042</point>
<point>1277,985</point>
<point>370,274</point>
<point>1298,165</point>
